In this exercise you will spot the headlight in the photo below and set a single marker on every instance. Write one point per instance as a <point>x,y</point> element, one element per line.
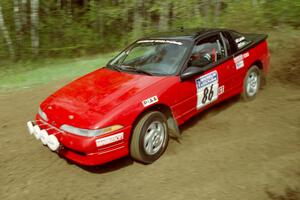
<point>42,115</point>
<point>90,133</point>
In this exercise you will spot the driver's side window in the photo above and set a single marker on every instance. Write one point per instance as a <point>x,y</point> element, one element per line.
<point>208,51</point>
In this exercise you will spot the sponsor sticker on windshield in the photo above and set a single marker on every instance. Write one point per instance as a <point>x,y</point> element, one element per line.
<point>240,39</point>
<point>241,42</point>
<point>160,41</point>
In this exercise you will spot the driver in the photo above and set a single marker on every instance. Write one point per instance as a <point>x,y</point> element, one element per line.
<point>203,55</point>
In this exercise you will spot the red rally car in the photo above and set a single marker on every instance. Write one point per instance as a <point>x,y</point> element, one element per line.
<point>134,104</point>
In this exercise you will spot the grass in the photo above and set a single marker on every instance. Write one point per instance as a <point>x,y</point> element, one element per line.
<point>28,74</point>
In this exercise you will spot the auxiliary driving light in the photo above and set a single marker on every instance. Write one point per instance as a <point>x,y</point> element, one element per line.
<point>37,131</point>
<point>30,127</point>
<point>44,137</point>
<point>53,143</point>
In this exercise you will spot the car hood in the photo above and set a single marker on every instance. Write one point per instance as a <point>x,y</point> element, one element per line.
<point>82,102</point>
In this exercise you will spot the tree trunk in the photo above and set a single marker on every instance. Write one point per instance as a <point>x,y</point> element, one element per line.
<point>163,23</point>
<point>69,9</point>
<point>217,12</point>
<point>34,4</point>
<point>6,36</point>
<point>18,25</point>
<point>17,16</point>
<point>206,9</point>
<point>58,4</point>
<point>197,12</point>
<point>100,21</point>
<point>137,20</point>
<point>24,13</point>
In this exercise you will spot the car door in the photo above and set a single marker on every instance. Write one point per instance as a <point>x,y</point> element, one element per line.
<point>200,91</point>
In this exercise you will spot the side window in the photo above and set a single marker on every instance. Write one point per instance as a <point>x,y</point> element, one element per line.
<point>208,51</point>
<point>240,40</point>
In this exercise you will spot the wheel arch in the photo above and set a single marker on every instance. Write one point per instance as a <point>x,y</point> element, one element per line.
<point>258,63</point>
<point>165,109</point>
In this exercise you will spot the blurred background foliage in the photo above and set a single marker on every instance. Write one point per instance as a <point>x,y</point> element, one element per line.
<point>33,29</point>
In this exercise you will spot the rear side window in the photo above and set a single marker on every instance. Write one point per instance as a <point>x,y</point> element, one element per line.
<point>240,40</point>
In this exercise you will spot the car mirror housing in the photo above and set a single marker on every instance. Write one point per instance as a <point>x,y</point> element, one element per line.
<point>190,72</point>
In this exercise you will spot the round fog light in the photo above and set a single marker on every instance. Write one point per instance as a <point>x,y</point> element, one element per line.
<point>53,143</point>
<point>30,127</point>
<point>44,137</point>
<point>37,131</point>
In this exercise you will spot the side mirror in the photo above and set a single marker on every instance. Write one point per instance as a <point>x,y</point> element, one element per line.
<point>190,72</point>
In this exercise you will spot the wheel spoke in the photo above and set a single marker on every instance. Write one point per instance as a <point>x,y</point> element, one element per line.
<point>255,79</point>
<point>152,126</point>
<point>150,144</point>
<point>248,87</point>
<point>154,137</point>
<point>159,128</point>
<point>148,136</point>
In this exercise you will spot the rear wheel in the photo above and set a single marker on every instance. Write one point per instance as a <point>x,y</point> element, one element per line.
<point>150,137</point>
<point>251,83</point>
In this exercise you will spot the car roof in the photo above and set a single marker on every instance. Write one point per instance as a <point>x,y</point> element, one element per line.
<point>185,34</point>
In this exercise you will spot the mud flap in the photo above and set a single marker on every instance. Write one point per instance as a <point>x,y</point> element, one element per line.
<point>173,128</point>
<point>263,81</point>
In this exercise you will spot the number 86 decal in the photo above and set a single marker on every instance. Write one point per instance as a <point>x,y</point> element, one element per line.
<point>207,88</point>
<point>208,94</point>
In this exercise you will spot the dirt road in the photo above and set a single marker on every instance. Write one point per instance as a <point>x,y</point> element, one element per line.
<point>235,150</point>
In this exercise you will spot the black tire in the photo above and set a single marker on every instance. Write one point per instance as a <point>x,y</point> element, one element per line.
<point>137,149</point>
<point>246,96</point>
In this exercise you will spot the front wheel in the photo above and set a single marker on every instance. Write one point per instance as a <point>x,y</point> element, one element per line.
<point>149,138</point>
<point>251,83</point>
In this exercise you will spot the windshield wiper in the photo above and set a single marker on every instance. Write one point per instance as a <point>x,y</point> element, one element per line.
<point>135,69</point>
<point>115,67</point>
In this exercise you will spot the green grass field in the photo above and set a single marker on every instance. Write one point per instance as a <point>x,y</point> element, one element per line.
<point>24,75</point>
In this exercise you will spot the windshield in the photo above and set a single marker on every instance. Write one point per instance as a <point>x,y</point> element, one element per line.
<point>161,57</point>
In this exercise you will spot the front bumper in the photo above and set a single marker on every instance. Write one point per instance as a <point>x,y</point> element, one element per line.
<point>79,149</point>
